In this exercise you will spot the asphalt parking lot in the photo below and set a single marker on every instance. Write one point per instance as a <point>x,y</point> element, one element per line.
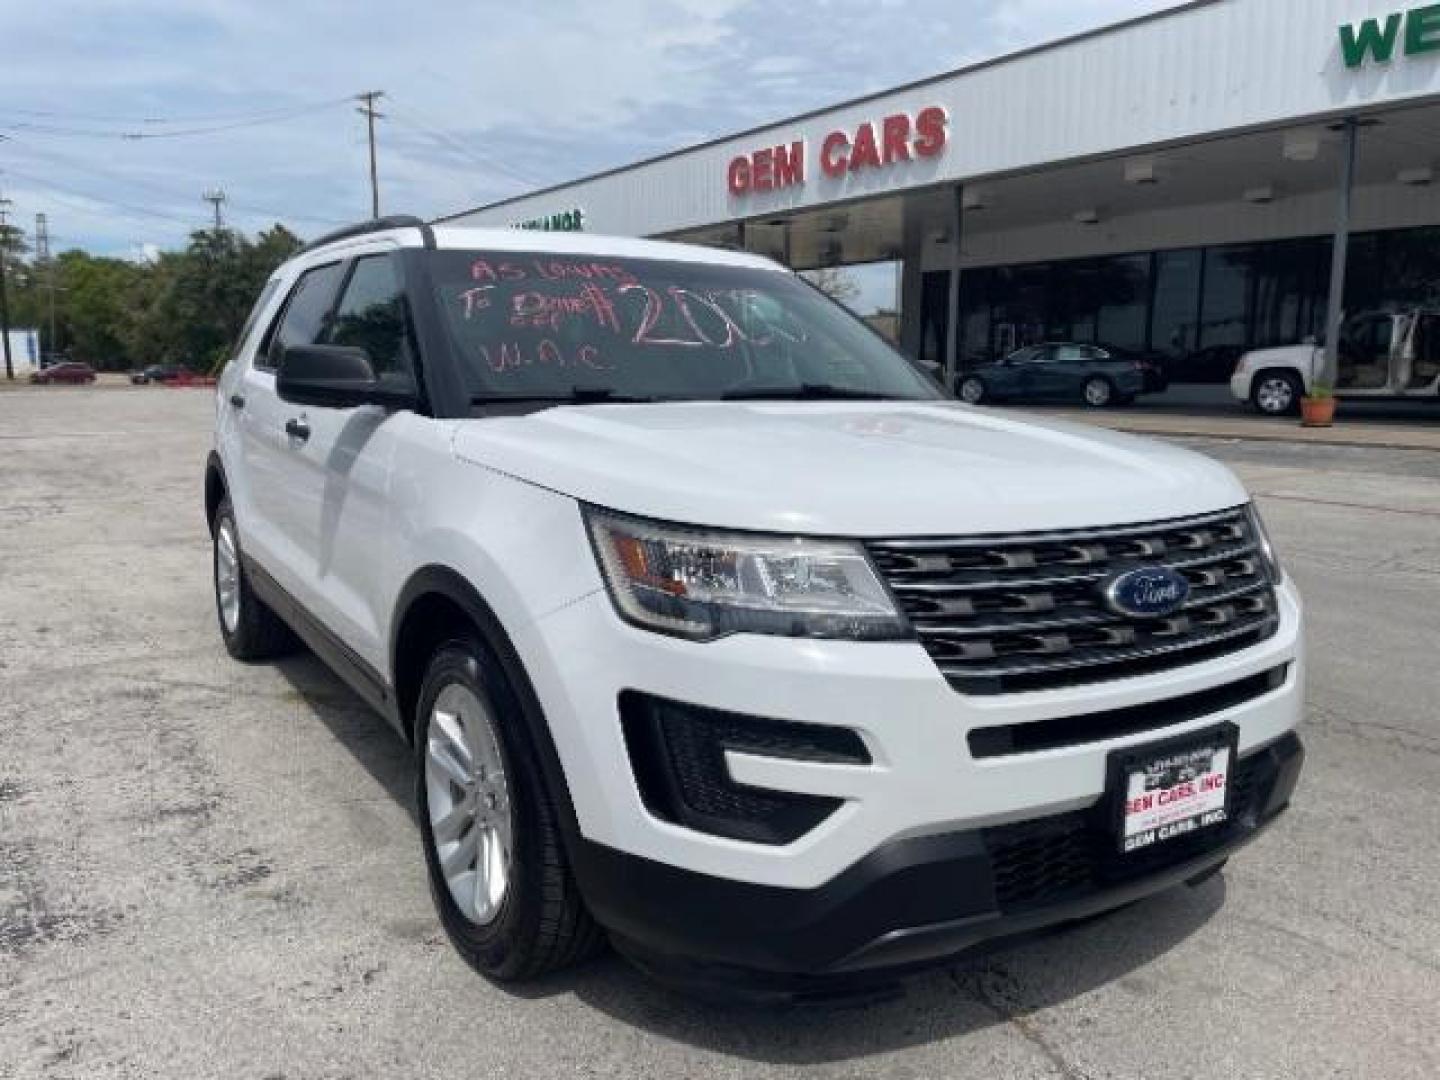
<point>209,869</point>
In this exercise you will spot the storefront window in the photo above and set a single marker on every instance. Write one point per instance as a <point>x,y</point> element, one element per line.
<point>1122,301</point>
<point>1225,307</point>
<point>1409,265</point>
<point>1201,306</point>
<point>1290,282</point>
<point>975,317</point>
<point>1177,301</point>
<point>934,315</point>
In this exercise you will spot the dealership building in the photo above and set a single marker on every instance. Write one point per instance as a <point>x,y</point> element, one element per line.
<point>1180,182</point>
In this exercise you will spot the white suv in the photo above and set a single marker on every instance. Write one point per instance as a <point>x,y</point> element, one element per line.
<point>718,629</point>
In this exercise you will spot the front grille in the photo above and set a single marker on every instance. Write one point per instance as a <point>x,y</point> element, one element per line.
<point>1000,614</point>
<point>1049,860</point>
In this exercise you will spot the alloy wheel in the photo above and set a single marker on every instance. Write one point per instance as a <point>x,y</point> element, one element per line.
<point>227,575</point>
<point>468,798</point>
<point>1275,395</point>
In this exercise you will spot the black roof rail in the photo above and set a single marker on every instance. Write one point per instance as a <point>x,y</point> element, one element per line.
<point>394,221</point>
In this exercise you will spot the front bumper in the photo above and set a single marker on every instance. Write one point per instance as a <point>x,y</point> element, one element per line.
<point>911,902</point>
<point>925,774</point>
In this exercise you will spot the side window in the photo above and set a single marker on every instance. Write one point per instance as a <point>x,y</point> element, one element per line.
<point>1068,354</point>
<point>303,320</point>
<point>250,320</point>
<point>1023,356</point>
<point>371,315</point>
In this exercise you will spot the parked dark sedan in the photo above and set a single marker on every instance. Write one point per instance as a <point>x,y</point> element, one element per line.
<point>71,371</point>
<point>159,373</point>
<point>1152,366</point>
<point>1056,371</point>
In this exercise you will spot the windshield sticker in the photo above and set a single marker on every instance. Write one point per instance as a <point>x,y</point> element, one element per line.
<point>531,313</point>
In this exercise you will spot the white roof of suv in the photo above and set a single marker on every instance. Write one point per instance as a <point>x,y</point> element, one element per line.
<point>406,234</point>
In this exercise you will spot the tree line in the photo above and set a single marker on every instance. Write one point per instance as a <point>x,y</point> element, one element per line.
<point>179,307</point>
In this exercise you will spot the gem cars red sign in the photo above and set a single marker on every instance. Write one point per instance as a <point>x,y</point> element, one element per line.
<point>882,144</point>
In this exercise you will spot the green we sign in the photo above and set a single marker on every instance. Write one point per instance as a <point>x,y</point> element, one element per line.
<point>1377,39</point>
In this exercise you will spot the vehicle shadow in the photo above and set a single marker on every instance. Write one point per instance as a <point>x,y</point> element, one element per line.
<point>976,992</point>
<point>369,739</point>
<point>1002,986</point>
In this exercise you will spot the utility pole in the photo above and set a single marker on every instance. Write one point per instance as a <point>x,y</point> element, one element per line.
<point>42,257</point>
<point>368,111</point>
<point>4,299</point>
<point>216,196</point>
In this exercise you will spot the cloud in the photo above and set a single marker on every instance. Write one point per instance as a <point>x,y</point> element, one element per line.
<point>484,99</point>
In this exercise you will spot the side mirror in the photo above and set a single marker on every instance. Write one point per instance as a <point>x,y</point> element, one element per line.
<point>335,377</point>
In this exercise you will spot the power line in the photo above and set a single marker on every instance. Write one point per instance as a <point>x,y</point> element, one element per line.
<point>135,136</point>
<point>128,207</point>
<point>410,118</point>
<point>53,114</point>
<point>169,195</point>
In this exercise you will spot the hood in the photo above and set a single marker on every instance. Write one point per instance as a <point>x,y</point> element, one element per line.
<point>862,469</point>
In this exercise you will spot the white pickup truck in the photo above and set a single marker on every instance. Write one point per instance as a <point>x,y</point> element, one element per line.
<point>1383,354</point>
<point>718,629</point>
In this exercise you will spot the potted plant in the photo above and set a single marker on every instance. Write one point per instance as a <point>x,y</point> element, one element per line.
<point>1317,408</point>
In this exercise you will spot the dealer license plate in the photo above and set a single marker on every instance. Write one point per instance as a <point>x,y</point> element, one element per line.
<point>1173,789</point>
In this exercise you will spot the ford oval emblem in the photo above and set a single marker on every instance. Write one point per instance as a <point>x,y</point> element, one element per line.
<point>1150,592</point>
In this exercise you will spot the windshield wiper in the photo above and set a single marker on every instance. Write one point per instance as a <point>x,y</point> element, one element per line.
<point>576,395</point>
<point>805,392</point>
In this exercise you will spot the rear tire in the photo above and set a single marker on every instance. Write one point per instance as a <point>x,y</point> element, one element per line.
<point>534,920</point>
<point>973,390</point>
<point>250,630</point>
<point>1098,392</point>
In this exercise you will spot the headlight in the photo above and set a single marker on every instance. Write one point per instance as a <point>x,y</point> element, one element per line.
<point>699,584</point>
<point>1267,549</point>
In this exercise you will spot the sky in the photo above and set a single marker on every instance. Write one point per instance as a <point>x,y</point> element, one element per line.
<point>483,100</point>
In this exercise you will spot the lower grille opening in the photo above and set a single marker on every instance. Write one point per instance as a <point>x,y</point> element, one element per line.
<point>1053,859</point>
<point>1027,738</point>
<point>677,752</point>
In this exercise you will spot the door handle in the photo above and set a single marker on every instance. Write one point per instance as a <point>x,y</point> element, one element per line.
<point>297,428</point>
<point>237,401</point>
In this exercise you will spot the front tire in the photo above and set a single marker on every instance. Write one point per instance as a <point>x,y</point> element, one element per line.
<point>250,630</point>
<point>1276,393</point>
<point>498,872</point>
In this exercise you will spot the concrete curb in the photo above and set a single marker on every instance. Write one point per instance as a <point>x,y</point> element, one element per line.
<point>1354,435</point>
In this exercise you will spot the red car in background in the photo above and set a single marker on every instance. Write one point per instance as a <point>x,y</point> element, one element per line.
<point>71,371</point>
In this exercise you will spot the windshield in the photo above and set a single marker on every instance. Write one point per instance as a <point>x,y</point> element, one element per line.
<point>548,327</point>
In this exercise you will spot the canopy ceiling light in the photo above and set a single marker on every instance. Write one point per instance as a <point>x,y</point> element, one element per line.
<point>1302,145</point>
<point>1265,193</point>
<point>1087,217</point>
<point>974,200</point>
<point>1416,177</point>
<point>1141,171</point>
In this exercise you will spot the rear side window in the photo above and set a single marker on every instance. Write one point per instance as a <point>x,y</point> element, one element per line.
<point>371,315</point>
<point>249,328</point>
<point>303,322</point>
